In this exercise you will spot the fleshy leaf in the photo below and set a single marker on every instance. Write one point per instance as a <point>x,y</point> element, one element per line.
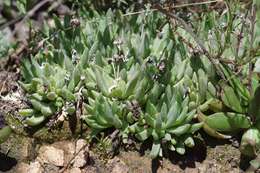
<point>231,100</point>
<point>155,150</point>
<point>227,122</point>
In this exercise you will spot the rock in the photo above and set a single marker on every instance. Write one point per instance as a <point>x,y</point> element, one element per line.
<point>117,166</point>
<point>63,133</point>
<point>22,168</point>
<point>81,158</point>
<point>90,169</point>
<point>35,167</point>
<point>191,170</point>
<point>52,155</point>
<point>68,147</point>
<point>63,10</point>
<point>202,167</point>
<point>21,151</point>
<point>50,168</point>
<point>74,170</point>
<point>21,31</point>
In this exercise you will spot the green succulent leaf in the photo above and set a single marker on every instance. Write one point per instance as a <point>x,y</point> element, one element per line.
<point>144,134</point>
<point>155,150</point>
<point>131,84</point>
<point>235,82</point>
<point>227,122</point>
<point>231,100</point>
<point>254,105</point>
<point>151,109</point>
<point>189,142</point>
<point>35,120</point>
<point>195,127</point>
<point>163,113</point>
<point>26,112</point>
<point>250,142</point>
<point>180,148</point>
<point>5,133</point>
<point>172,114</point>
<point>36,68</point>
<point>180,130</point>
<point>67,94</point>
<point>104,82</point>
<point>203,85</point>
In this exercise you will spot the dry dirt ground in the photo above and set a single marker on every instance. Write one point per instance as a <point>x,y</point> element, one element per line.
<point>22,154</point>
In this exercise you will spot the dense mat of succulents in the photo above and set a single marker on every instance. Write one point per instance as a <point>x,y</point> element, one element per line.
<point>137,74</point>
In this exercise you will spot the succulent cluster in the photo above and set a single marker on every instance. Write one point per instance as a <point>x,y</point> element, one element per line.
<point>168,122</point>
<point>50,89</point>
<point>138,76</point>
<point>129,83</point>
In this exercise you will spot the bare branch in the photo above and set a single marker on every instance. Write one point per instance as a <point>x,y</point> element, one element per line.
<point>187,28</point>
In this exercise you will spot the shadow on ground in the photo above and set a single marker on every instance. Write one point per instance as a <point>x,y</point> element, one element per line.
<point>7,163</point>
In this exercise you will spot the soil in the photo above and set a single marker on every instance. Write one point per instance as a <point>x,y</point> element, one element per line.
<point>220,158</point>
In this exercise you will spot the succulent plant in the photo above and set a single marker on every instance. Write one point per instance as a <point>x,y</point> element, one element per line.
<point>110,99</point>
<point>103,113</point>
<point>50,88</point>
<point>5,133</point>
<point>120,87</point>
<point>168,123</point>
<point>250,142</point>
<point>5,130</point>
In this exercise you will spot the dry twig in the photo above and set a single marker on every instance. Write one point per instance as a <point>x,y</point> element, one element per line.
<point>28,15</point>
<point>187,28</point>
<point>175,7</point>
<point>72,159</point>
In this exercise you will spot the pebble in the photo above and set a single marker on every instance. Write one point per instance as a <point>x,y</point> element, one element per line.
<point>75,170</point>
<point>191,170</point>
<point>52,155</point>
<point>118,166</point>
<point>35,167</point>
<point>22,168</point>
<point>80,160</point>
<point>69,149</point>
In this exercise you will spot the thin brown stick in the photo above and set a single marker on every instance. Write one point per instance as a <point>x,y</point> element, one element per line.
<point>176,6</point>
<point>71,160</point>
<point>252,33</point>
<point>11,22</point>
<point>186,27</point>
<point>240,36</point>
<point>29,14</point>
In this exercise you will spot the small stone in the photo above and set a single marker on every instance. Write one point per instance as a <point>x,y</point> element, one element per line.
<point>68,147</point>
<point>21,151</point>
<point>90,169</point>
<point>22,32</point>
<point>50,168</point>
<point>118,166</point>
<point>75,170</point>
<point>191,170</point>
<point>81,158</point>
<point>52,155</point>
<point>22,168</point>
<point>63,10</point>
<point>35,167</point>
<point>202,167</point>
